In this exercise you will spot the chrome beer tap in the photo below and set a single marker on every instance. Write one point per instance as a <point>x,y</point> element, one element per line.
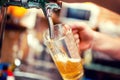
<point>46,5</point>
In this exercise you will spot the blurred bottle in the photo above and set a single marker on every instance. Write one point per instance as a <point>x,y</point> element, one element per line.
<point>3,71</point>
<point>10,76</point>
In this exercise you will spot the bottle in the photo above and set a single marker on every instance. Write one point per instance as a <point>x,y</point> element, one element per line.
<point>10,75</point>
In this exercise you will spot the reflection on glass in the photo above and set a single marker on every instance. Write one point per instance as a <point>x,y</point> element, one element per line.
<point>64,52</point>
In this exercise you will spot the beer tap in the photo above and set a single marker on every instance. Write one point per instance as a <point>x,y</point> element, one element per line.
<point>44,4</point>
<point>47,7</point>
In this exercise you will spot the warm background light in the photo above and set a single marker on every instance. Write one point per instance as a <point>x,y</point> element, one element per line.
<point>17,11</point>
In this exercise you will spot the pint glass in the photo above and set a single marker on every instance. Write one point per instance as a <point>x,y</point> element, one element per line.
<point>64,52</point>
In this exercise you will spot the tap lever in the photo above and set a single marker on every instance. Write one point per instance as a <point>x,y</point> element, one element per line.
<point>49,8</point>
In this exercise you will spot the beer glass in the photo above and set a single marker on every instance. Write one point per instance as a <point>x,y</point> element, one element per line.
<point>64,52</point>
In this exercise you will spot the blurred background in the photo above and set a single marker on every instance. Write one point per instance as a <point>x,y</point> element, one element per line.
<point>24,55</point>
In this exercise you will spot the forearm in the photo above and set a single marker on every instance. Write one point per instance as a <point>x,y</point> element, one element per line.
<point>107,44</point>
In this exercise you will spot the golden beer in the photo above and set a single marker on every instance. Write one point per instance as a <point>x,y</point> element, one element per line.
<point>69,68</point>
<point>65,53</point>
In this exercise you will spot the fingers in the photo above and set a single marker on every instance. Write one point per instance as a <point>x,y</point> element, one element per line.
<point>77,40</point>
<point>76,36</point>
<point>66,27</point>
<point>75,31</point>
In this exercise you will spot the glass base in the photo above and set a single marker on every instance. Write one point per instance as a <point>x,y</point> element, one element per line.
<point>76,78</point>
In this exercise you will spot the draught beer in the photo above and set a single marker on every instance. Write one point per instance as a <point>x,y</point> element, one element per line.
<point>64,52</point>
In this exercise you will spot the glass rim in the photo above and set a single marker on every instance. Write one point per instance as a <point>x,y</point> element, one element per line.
<point>46,32</point>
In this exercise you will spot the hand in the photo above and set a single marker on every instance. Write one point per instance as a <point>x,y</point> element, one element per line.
<point>83,35</point>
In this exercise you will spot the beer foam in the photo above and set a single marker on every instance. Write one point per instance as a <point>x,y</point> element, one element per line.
<point>62,58</point>
<point>65,59</point>
<point>74,60</point>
